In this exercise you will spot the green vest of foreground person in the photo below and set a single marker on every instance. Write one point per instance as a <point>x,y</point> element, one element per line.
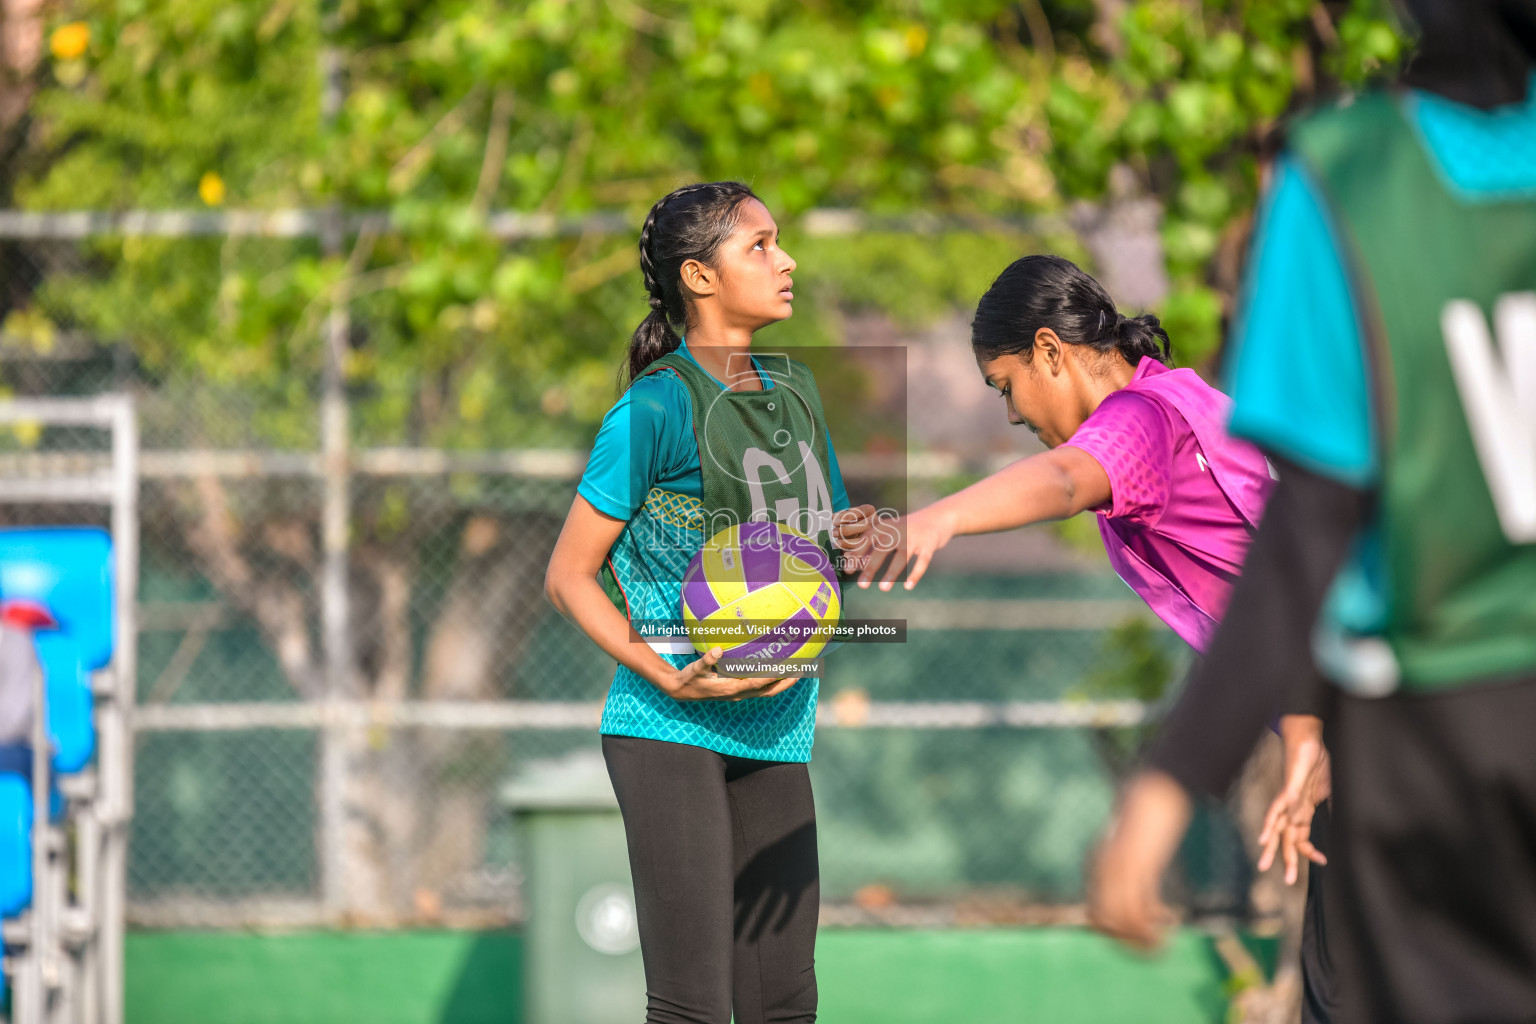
<point>1452,343</point>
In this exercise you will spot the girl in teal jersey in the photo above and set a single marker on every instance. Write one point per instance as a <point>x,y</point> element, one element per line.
<point>710,771</point>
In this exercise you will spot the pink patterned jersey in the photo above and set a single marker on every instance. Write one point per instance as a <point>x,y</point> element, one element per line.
<point>1186,497</point>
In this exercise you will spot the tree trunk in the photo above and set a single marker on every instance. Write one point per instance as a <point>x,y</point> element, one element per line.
<point>415,802</point>
<point>481,630</point>
<point>21,50</point>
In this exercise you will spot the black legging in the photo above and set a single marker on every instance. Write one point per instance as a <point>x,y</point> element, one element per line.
<point>1319,979</point>
<point>727,891</point>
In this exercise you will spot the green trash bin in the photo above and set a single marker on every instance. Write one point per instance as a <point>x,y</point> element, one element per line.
<point>581,949</point>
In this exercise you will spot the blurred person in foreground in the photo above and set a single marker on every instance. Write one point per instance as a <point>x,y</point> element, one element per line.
<point>1386,361</point>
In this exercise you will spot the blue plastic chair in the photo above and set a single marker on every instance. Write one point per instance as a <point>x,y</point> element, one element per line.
<point>15,844</point>
<point>15,849</point>
<point>65,574</point>
<point>67,571</point>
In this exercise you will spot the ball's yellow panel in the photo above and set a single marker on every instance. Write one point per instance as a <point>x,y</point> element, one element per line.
<point>793,568</point>
<point>764,606</point>
<point>723,567</point>
<point>773,603</point>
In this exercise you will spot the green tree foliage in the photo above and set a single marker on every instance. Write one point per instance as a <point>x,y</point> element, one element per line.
<point>978,110</point>
<point>1136,662</point>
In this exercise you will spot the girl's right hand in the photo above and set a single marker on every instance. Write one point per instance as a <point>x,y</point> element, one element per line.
<point>697,681</point>
<point>851,526</point>
<point>1288,824</point>
<point>895,543</point>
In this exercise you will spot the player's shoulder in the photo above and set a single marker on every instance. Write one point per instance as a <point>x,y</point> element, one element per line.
<point>660,391</point>
<point>1132,419</point>
<point>1344,128</point>
<point>1346,109</point>
<point>1133,403</point>
<point>654,406</point>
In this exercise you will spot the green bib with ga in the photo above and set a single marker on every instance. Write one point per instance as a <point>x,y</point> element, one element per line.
<point>1446,293</point>
<point>762,457</point>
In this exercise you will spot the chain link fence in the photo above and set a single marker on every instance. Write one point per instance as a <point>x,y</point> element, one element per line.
<point>960,777</point>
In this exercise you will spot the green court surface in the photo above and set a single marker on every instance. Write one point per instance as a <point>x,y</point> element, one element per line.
<point>1056,975</point>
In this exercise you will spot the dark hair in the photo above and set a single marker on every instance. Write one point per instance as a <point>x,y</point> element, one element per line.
<point>1048,291</point>
<point>1477,52</point>
<point>690,223</point>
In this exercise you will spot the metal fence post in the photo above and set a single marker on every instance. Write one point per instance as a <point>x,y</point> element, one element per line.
<point>116,726</point>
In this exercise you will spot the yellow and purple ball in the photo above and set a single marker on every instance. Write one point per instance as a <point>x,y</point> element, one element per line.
<point>766,574</point>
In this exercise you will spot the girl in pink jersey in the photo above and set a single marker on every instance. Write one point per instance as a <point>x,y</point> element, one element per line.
<point>1129,438</point>
<point>1138,443</point>
<point>1142,445</point>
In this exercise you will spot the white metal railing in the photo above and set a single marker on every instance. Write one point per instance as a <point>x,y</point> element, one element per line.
<point>548,464</point>
<point>516,715</point>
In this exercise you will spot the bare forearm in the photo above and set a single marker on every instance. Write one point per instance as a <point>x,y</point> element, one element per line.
<point>1031,490</point>
<point>582,600</point>
<point>1051,485</point>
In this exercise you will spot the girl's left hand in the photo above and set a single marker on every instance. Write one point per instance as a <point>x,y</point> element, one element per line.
<point>896,542</point>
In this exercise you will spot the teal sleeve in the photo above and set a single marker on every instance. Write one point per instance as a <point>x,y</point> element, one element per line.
<point>1297,373</point>
<point>638,444</point>
<point>839,492</point>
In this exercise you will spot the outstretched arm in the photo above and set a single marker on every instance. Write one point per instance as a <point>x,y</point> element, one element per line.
<point>1051,485</point>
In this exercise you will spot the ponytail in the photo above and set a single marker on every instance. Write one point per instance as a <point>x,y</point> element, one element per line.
<point>1138,336</point>
<point>688,224</point>
<point>653,339</point>
<point>1049,291</point>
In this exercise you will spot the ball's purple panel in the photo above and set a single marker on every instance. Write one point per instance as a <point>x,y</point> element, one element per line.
<point>781,641</point>
<point>810,553</point>
<point>760,554</point>
<point>822,599</point>
<point>698,596</point>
